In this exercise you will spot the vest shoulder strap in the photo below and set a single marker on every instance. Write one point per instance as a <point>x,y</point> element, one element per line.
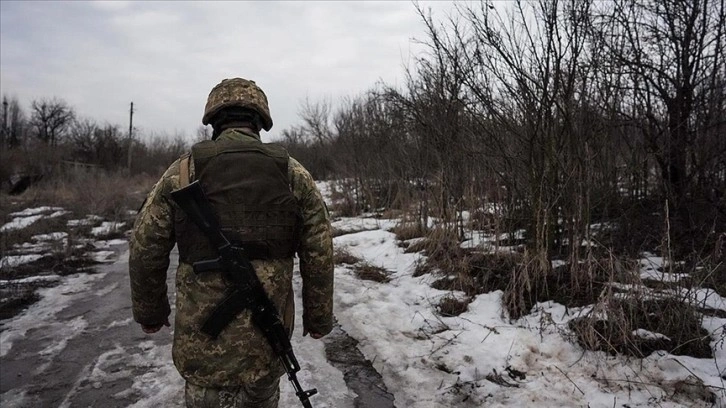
<point>184,170</point>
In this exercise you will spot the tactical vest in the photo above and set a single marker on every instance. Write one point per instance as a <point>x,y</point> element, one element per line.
<point>248,185</point>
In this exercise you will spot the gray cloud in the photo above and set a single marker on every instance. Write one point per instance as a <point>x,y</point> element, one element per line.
<point>166,56</point>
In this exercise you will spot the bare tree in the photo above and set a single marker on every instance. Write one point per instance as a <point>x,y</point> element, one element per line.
<point>672,54</point>
<point>95,144</point>
<point>109,147</point>
<point>316,117</point>
<point>528,83</point>
<point>81,136</point>
<point>51,118</point>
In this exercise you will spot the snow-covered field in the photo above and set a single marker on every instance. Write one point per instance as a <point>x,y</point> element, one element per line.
<point>476,359</point>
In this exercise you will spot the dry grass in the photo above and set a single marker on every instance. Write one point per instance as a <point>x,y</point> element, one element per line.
<point>418,246</point>
<point>475,273</point>
<point>612,327</point>
<point>463,269</point>
<point>343,256</point>
<point>370,272</point>
<point>63,261</point>
<point>449,306</point>
<point>110,196</point>
<point>573,285</point>
<point>406,230</point>
<point>422,268</point>
<point>483,220</point>
<point>392,213</point>
<point>439,245</point>
<point>10,238</point>
<point>81,192</point>
<point>106,195</point>
<point>715,278</point>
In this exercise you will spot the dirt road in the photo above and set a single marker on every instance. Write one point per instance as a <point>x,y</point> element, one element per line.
<point>78,347</point>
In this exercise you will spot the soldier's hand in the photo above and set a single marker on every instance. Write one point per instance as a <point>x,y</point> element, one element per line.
<point>154,328</point>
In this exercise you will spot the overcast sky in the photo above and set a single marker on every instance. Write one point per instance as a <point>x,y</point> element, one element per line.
<point>166,56</point>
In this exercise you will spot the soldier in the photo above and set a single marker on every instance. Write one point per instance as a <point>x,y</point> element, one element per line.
<point>266,202</point>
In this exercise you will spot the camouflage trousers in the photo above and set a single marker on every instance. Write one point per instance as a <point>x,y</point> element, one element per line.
<point>264,393</point>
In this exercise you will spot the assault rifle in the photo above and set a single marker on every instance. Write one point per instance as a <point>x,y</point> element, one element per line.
<point>246,291</point>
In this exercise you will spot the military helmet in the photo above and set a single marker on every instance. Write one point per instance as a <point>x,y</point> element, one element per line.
<point>238,92</point>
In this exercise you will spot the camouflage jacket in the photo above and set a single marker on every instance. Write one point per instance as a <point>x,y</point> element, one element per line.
<point>240,354</point>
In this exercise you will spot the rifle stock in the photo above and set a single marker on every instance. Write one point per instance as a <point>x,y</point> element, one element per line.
<point>195,205</point>
<point>247,292</point>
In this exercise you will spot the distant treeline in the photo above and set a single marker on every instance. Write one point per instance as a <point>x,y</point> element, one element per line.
<point>52,133</point>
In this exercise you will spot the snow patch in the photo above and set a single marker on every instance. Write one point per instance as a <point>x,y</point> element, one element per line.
<point>161,384</point>
<point>108,244</point>
<point>12,261</point>
<point>18,398</point>
<point>118,323</point>
<point>108,289</point>
<point>107,227</point>
<point>89,220</point>
<point>355,224</point>
<point>53,236</point>
<point>102,256</point>
<point>20,223</point>
<point>35,211</point>
<point>69,330</point>
<point>705,298</point>
<point>649,335</point>
<point>30,279</point>
<point>29,216</point>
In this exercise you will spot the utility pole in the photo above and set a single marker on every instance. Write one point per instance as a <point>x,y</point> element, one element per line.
<point>131,137</point>
<point>5,132</point>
